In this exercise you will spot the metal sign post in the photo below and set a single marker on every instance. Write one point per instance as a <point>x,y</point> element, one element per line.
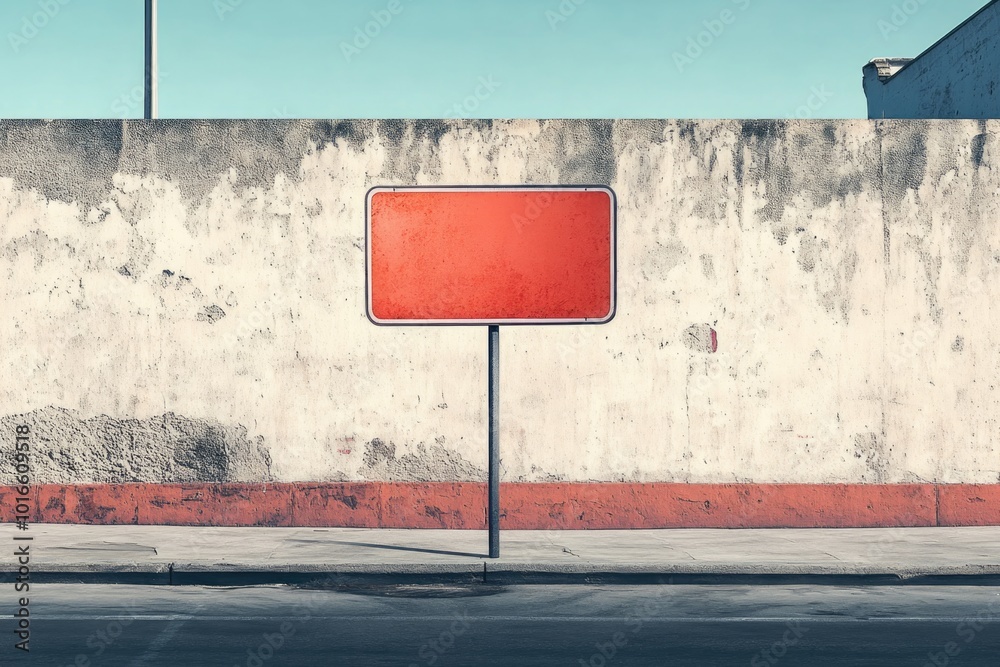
<point>494,417</point>
<point>490,255</point>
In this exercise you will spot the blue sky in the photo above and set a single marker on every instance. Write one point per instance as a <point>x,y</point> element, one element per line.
<point>493,59</point>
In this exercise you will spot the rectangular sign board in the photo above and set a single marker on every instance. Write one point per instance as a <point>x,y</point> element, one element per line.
<point>490,255</point>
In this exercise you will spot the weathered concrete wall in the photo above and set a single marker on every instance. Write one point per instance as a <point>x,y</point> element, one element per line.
<point>183,300</point>
<point>959,77</point>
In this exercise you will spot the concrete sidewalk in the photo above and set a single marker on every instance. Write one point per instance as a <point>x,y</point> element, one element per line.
<point>225,556</point>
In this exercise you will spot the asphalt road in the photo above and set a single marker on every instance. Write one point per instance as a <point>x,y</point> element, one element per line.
<point>89,625</point>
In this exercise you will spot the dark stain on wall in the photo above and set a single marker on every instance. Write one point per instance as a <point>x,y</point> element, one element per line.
<point>905,159</point>
<point>63,160</point>
<point>393,130</point>
<point>432,130</point>
<point>193,153</point>
<point>978,149</point>
<point>872,448</point>
<point>75,160</point>
<point>481,124</point>
<point>687,131</point>
<point>351,133</point>
<point>785,158</point>
<point>583,150</point>
<point>757,136</point>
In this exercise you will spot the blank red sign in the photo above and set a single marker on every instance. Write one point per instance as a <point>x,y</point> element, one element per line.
<point>491,255</point>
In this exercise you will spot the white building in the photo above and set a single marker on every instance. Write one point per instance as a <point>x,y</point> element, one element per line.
<point>958,77</point>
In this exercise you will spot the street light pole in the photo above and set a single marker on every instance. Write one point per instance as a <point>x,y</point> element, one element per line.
<point>149,85</point>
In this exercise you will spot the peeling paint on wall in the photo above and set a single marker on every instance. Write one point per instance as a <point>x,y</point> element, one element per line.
<point>433,464</point>
<point>67,447</point>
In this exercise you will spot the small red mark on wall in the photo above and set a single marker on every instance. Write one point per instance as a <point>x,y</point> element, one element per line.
<point>701,338</point>
<point>344,451</point>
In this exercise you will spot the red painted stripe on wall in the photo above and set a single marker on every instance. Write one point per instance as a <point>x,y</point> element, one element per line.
<point>461,505</point>
<point>969,505</point>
